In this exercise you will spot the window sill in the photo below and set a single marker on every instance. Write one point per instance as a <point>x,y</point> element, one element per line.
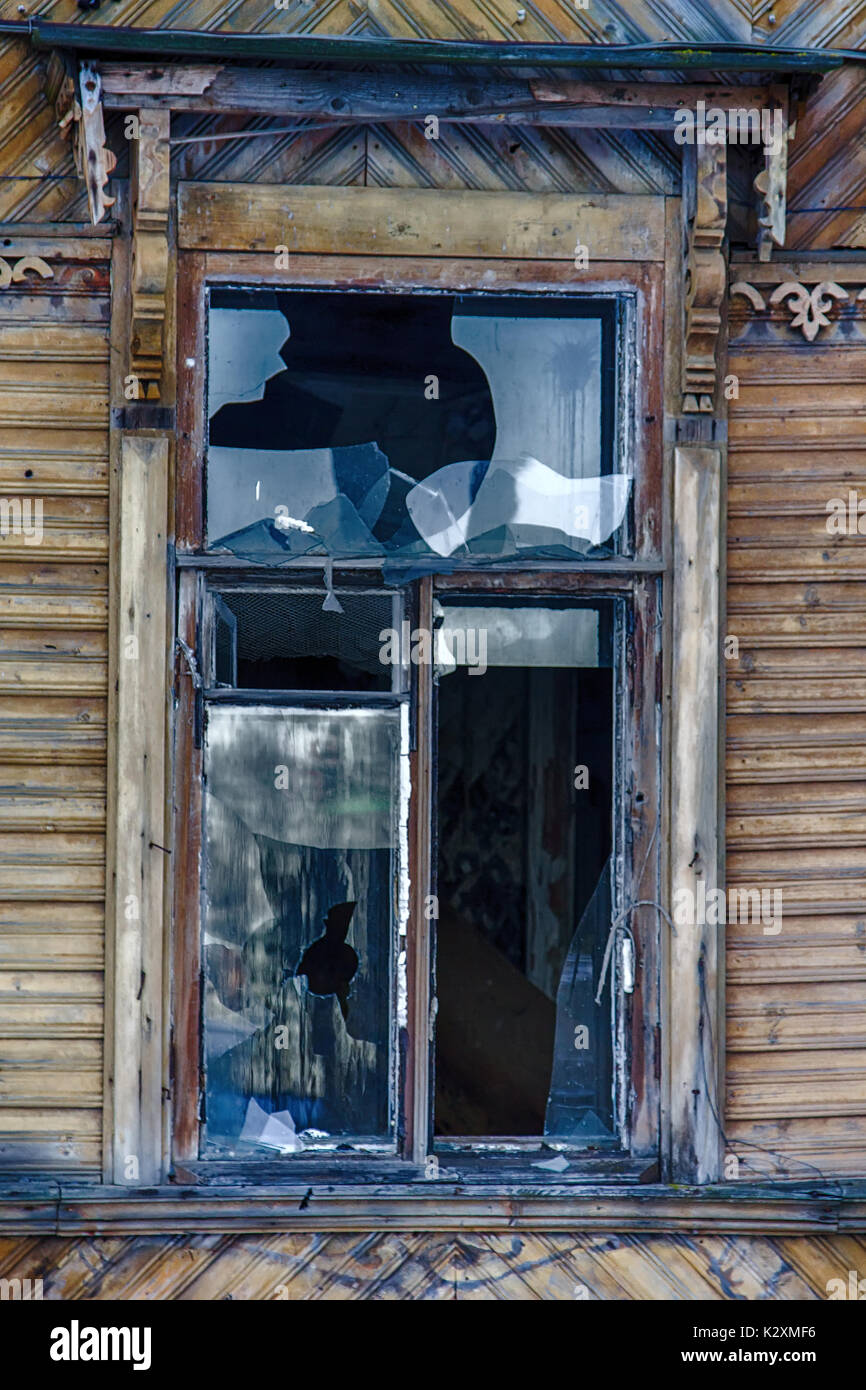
<point>455,1166</point>
<point>39,1207</point>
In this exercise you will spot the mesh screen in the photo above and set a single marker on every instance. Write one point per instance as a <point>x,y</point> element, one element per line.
<point>293,627</point>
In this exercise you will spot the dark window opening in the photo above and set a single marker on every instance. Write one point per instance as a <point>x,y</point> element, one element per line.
<point>525,771</point>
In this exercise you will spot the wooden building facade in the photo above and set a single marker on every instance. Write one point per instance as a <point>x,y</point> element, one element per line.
<point>161,166</point>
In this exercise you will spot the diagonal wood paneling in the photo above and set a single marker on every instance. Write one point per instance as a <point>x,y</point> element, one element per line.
<point>394,1265</point>
<point>827,166</point>
<point>603,21</point>
<point>810,23</point>
<point>398,155</point>
<point>38,181</point>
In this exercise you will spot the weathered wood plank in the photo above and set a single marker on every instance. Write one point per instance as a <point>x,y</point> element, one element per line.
<point>137,760</point>
<point>418,222</point>
<point>372,96</point>
<point>695,1033</point>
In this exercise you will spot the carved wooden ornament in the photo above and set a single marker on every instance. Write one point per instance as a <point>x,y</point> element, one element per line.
<point>10,274</point>
<point>78,108</point>
<point>151,182</point>
<point>94,160</point>
<point>809,307</point>
<point>705,278</point>
<point>771,186</point>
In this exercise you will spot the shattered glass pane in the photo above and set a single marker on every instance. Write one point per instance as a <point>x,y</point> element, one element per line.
<point>300,851</point>
<point>428,429</point>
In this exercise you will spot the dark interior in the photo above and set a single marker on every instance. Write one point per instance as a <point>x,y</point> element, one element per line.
<point>520,851</point>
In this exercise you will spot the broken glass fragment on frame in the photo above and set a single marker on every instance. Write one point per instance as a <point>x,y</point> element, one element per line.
<point>579,1106</point>
<point>415,428</point>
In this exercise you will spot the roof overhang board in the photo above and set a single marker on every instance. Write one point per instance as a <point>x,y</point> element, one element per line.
<point>386,51</point>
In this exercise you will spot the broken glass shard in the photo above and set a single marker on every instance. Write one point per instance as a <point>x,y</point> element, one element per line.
<point>580,1102</point>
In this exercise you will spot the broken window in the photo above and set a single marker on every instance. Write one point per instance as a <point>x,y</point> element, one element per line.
<point>369,454</point>
<point>429,428</point>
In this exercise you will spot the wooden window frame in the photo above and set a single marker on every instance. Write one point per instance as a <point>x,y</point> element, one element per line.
<point>635,579</point>
<point>639,244</point>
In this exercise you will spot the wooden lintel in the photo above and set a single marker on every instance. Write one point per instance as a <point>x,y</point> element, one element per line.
<point>421,222</point>
<point>368,97</point>
<point>151,183</point>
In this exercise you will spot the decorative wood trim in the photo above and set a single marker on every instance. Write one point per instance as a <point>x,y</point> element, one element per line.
<point>755,298</point>
<point>809,309</point>
<point>137,772</point>
<point>771,186</point>
<point>150,254</point>
<point>706,211</point>
<point>421,222</point>
<point>694,1022</point>
<point>93,159</point>
<point>14,274</point>
<point>78,108</point>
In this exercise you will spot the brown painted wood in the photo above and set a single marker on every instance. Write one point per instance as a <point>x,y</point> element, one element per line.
<point>191,413</point>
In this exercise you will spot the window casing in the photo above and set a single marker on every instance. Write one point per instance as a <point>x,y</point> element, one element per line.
<point>632,593</point>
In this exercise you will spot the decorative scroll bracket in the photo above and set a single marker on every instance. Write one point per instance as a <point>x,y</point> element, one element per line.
<point>151,192</point>
<point>771,185</point>
<point>705,205</point>
<point>78,107</point>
